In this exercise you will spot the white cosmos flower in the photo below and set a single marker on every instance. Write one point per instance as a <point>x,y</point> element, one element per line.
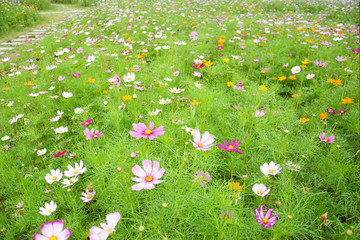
<point>165,101</point>
<point>6,59</point>
<point>67,94</point>
<point>69,182</point>
<point>49,208</point>
<point>60,130</point>
<point>79,110</point>
<point>154,113</point>
<point>270,169</point>
<point>41,152</point>
<point>310,76</point>
<point>129,77</point>
<point>4,138</point>
<point>79,169</point>
<point>295,69</point>
<point>53,176</point>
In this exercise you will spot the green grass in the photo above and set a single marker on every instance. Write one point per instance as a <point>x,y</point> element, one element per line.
<point>329,171</point>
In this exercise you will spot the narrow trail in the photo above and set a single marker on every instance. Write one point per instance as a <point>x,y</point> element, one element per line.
<point>9,45</point>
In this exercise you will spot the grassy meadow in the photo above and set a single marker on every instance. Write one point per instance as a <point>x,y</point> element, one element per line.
<point>159,86</point>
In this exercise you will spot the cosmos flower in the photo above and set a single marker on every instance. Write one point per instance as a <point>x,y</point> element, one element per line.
<point>260,190</point>
<point>41,152</point>
<point>61,130</point>
<point>320,64</point>
<point>342,111</point>
<point>265,220</point>
<point>295,69</point>
<point>129,77</point>
<point>69,182</point>
<point>226,215</point>
<point>88,196</point>
<point>116,80</point>
<point>230,148</point>
<point>201,178</point>
<point>176,90</point>
<point>270,169</point>
<point>88,133</point>
<point>53,231</point>
<point>328,140</point>
<point>79,169</point>
<point>148,176</point>
<point>141,131</point>
<point>97,233</point>
<point>49,209</point>
<point>87,122</point>
<point>292,167</point>
<point>59,154</point>
<point>259,113</point>
<point>53,176</point>
<point>204,143</point>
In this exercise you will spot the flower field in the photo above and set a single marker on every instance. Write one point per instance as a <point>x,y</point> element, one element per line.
<point>185,119</point>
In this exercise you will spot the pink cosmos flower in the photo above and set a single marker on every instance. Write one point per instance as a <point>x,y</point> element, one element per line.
<point>204,143</point>
<point>96,134</point>
<point>143,132</point>
<point>230,148</point>
<point>265,220</point>
<point>220,48</point>
<point>97,233</point>
<point>88,133</point>
<point>320,64</point>
<point>61,78</point>
<point>76,75</point>
<point>201,178</point>
<point>59,154</point>
<point>79,50</point>
<point>256,60</point>
<point>148,176</point>
<point>176,73</point>
<point>324,139</point>
<point>53,230</point>
<point>87,122</point>
<point>117,80</point>
<point>259,113</point>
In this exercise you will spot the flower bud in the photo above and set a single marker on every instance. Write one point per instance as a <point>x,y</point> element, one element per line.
<point>141,228</point>
<point>277,203</point>
<point>349,233</point>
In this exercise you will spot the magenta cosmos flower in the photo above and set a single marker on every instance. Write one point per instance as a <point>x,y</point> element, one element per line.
<point>203,143</point>
<point>59,154</point>
<point>265,220</point>
<point>53,231</point>
<point>148,176</point>
<point>143,132</point>
<point>328,140</point>
<point>320,64</point>
<point>230,148</point>
<point>87,122</point>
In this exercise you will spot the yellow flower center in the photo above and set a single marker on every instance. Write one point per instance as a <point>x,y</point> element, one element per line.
<point>293,165</point>
<point>265,220</point>
<point>50,210</point>
<point>95,135</point>
<point>200,145</point>
<point>76,172</point>
<point>108,230</point>
<point>70,181</point>
<point>129,78</point>
<point>147,132</point>
<point>271,170</point>
<point>54,178</point>
<point>53,238</point>
<point>89,196</point>
<point>149,178</point>
<point>231,147</point>
<point>260,192</point>
<point>86,123</point>
<point>320,65</point>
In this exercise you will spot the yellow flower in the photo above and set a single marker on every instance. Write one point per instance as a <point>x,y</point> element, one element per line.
<point>5,88</point>
<point>263,88</point>
<point>229,84</point>
<point>226,60</point>
<point>195,102</point>
<point>91,80</point>
<point>347,100</point>
<point>303,66</point>
<point>304,120</point>
<point>295,95</point>
<point>105,91</point>
<point>292,77</point>
<point>323,115</point>
<point>126,97</point>
<point>282,78</point>
<point>208,63</point>
<point>305,61</point>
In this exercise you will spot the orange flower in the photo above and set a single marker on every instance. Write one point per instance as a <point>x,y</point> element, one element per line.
<point>126,97</point>
<point>91,80</point>
<point>305,61</point>
<point>5,88</point>
<point>304,120</point>
<point>337,82</point>
<point>295,95</point>
<point>292,77</point>
<point>105,91</point>
<point>323,115</point>
<point>303,66</point>
<point>195,102</point>
<point>347,100</point>
<point>226,60</point>
<point>282,78</point>
<point>208,63</point>
<point>229,84</point>
<point>235,186</point>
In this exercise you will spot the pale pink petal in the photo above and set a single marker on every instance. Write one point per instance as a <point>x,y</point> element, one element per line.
<point>149,186</point>
<point>140,127</point>
<point>40,237</point>
<point>138,171</point>
<point>155,169</point>
<point>135,179</point>
<point>47,229</point>
<point>112,219</point>
<point>64,234</point>
<point>159,174</point>
<point>151,126</point>
<point>147,165</point>
<point>138,187</point>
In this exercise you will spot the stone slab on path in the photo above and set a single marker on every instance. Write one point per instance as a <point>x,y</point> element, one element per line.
<point>6,48</point>
<point>11,43</point>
